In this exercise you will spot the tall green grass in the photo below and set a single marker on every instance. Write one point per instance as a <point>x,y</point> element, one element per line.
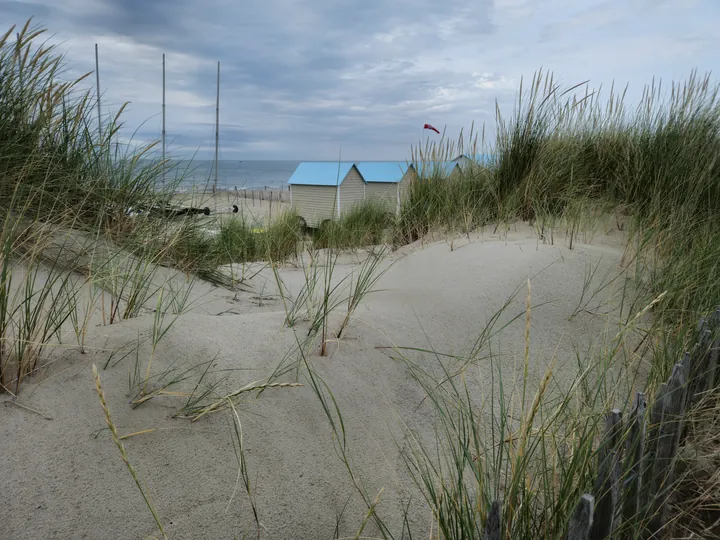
<point>562,152</point>
<point>203,246</point>
<point>456,205</point>
<point>365,224</point>
<point>566,148</point>
<point>66,197</point>
<point>54,159</point>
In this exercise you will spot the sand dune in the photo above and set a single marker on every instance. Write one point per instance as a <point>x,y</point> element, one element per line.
<point>65,478</point>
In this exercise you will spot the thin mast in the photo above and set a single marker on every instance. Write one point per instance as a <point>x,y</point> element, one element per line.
<point>163,121</point>
<point>217,128</point>
<point>97,78</point>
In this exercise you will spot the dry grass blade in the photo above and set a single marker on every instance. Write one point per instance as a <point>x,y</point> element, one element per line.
<point>121,448</point>
<point>223,401</point>
<point>369,514</point>
<point>141,432</point>
<point>14,402</point>
<point>243,472</point>
<point>159,392</point>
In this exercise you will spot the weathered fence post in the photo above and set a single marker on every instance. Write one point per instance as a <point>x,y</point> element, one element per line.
<point>710,380</point>
<point>582,519</point>
<point>650,450</point>
<point>703,378</point>
<point>607,486</point>
<point>634,454</point>
<point>699,364</point>
<point>492,525</point>
<point>713,367</point>
<point>651,442</point>
<point>671,423</point>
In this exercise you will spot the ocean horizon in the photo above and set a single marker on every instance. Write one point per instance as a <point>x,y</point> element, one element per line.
<point>232,174</point>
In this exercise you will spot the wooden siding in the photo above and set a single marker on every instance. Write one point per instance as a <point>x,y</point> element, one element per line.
<point>408,178</point>
<point>352,190</point>
<point>384,192</point>
<point>315,204</point>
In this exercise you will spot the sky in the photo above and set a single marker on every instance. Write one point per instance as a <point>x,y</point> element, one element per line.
<point>356,79</point>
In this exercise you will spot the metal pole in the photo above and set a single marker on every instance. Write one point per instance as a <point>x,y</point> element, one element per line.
<point>163,121</point>
<point>97,78</point>
<point>217,128</point>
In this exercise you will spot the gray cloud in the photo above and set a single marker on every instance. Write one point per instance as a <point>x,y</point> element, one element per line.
<point>301,79</point>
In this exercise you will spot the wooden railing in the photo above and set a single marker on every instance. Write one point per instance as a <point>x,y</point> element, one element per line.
<point>637,456</point>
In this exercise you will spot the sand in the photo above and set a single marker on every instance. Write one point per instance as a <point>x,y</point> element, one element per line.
<point>62,475</point>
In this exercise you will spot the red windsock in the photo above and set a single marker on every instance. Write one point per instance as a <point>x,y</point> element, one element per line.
<point>428,126</point>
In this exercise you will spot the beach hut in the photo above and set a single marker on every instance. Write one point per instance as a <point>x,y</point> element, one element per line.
<point>443,169</point>
<point>320,191</point>
<point>386,181</point>
<point>465,160</point>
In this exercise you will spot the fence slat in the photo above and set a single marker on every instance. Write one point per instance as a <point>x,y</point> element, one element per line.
<point>607,483</point>
<point>711,379</point>
<point>492,525</point>
<point>652,435</point>
<point>697,352</point>
<point>698,372</point>
<point>634,454</point>
<point>668,439</point>
<point>582,519</point>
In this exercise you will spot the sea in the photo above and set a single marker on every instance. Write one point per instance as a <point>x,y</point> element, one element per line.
<point>232,174</point>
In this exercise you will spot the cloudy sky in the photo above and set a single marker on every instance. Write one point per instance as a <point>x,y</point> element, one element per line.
<point>312,79</point>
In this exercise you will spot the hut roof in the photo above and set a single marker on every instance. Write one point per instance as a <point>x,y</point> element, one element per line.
<point>427,168</point>
<point>480,159</point>
<point>320,173</point>
<point>382,171</point>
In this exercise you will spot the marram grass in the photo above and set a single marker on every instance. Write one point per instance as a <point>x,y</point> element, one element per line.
<point>123,452</point>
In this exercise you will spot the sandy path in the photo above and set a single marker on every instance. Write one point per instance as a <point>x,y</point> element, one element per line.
<point>63,482</point>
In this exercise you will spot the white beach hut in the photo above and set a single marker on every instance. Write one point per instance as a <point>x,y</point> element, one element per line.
<point>320,191</point>
<point>386,181</point>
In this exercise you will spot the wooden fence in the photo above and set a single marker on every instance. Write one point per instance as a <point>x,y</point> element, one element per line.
<point>637,455</point>
<point>259,195</point>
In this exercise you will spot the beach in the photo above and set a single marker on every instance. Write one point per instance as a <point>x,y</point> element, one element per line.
<point>256,206</point>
